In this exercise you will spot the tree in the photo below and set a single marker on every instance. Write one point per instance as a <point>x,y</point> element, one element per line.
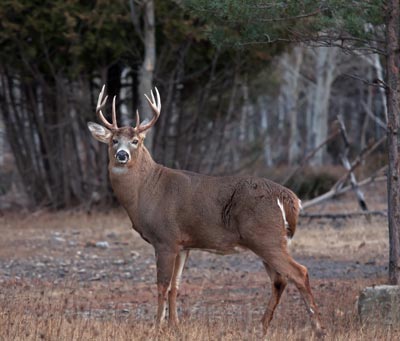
<point>146,72</point>
<point>393,105</point>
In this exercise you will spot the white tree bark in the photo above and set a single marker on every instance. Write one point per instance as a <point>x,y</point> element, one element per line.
<point>148,66</point>
<point>290,89</point>
<point>325,63</point>
<point>127,116</point>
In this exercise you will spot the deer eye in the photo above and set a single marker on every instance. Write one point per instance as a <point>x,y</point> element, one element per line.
<point>114,141</point>
<point>135,142</point>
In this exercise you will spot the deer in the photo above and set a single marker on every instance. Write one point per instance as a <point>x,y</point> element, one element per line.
<point>178,210</point>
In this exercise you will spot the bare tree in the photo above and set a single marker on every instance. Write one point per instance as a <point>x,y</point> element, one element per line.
<point>393,103</point>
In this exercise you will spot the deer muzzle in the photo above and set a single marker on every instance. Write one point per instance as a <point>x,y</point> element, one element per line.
<point>122,156</point>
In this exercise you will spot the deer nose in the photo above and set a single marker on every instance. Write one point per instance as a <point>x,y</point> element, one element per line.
<point>122,156</point>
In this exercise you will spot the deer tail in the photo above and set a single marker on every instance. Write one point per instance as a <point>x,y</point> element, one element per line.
<point>290,206</point>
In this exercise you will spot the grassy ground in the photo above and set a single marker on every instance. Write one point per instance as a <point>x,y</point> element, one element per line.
<point>55,284</point>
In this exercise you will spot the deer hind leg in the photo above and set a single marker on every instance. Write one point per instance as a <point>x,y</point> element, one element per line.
<point>278,284</point>
<point>298,274</point>
<point>165,269</point>
<point>180,261</point>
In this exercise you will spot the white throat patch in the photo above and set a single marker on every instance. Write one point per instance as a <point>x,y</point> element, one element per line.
<point>119,170</point>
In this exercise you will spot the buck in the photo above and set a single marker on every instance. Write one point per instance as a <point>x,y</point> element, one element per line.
<point>176,211</point>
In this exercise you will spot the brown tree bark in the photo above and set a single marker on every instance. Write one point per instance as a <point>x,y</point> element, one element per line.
<point>393,103</point>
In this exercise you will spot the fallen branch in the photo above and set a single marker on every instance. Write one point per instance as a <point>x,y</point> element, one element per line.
<point>347,166</point>
<point>343,215</point>
<point>334,192</point>
<point>364,153</point>
<point>377,120</point>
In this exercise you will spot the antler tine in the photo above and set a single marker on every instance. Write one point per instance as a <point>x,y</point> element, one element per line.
<point>100,105</point>
<point>158,102</point>
<point>114,114</point>
<point>156,106</point>
<point>158,99</point>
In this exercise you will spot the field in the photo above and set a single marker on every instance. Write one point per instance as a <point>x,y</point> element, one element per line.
<point>57,282</point>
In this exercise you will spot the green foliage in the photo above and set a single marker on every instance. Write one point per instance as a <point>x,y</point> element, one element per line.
<point>240,23</point>
<point>64,35</point>
<point>71,37</point>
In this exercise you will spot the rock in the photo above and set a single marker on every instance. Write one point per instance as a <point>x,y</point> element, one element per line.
<point>119,262</point>
<point>59,239</point>
<point>380,304</point>
<point>102,245</point>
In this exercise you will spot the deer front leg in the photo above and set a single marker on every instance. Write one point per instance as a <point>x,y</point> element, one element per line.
<point>176,278</point>
<point>165,268</point>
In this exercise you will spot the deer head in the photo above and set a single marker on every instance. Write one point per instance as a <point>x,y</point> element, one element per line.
<point>125,143</point>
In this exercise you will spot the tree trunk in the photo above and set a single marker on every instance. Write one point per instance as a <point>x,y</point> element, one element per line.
<point>291,90</point>
<point>318,122</point>
<point>147,69</point>
<point>393,103</point>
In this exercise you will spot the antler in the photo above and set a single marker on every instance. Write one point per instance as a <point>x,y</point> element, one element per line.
<point>100,105</point>
<point>156,106</point>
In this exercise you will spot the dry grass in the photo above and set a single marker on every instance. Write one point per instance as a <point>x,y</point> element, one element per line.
<point>215,304</point>
<point>30,315</point>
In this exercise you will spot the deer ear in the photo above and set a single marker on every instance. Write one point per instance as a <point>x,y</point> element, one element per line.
<point>99,132</point>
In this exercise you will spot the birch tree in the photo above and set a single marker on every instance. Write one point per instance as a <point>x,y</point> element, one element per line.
<point>146,72</point>
<point>290,89</point>
<point>318,107</point>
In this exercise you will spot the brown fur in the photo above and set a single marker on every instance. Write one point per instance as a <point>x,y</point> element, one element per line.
<point>176,211</point>
<point>291,205</point>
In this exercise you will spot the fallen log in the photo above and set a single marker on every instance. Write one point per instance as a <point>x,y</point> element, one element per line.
<point>343,215</point>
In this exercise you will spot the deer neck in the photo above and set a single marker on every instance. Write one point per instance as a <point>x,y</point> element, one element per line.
<point>128,181</point>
